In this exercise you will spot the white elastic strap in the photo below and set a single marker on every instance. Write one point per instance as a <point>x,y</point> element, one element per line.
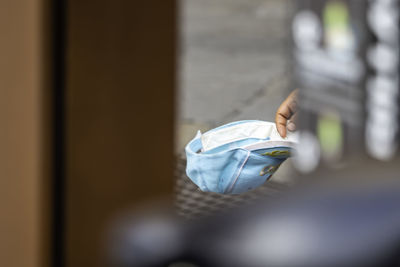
<point>258,130</point>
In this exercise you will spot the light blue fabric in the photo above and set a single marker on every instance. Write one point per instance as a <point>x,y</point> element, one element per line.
<point>231,169</point>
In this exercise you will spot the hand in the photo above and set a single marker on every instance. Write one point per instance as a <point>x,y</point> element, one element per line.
<point>286,114</point>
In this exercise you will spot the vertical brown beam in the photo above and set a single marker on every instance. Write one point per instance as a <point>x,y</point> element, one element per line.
<point>24,135</point>
<point>119,111</point>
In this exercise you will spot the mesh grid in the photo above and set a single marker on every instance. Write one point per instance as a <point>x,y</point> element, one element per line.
<point>192,203</point>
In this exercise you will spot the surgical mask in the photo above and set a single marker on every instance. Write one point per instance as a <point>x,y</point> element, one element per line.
<point>237,157</point>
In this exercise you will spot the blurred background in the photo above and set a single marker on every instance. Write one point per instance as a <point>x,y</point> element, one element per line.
<point>233,58</point>
<point>233,64</point>
<point>98,100</point>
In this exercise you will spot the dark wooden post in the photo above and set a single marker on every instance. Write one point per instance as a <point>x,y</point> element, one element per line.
<point>120,70</point>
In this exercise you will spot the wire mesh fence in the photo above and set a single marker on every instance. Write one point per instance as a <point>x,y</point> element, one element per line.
<point>192,203</point>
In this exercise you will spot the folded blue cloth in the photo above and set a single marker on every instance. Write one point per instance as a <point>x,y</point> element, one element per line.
<point>236,157</point>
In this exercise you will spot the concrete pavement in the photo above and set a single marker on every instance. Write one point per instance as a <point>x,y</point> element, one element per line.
<point>232,62</point>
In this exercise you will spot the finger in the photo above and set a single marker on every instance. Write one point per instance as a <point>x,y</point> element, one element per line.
<point>281,118</point>
<point>281,130</point>
<point>285,112</point>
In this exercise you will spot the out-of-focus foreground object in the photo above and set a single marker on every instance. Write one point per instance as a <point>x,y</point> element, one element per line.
<point>87,118</point>
<point>24,134</point>
<point>120,79</point>
<point>322,225</point>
